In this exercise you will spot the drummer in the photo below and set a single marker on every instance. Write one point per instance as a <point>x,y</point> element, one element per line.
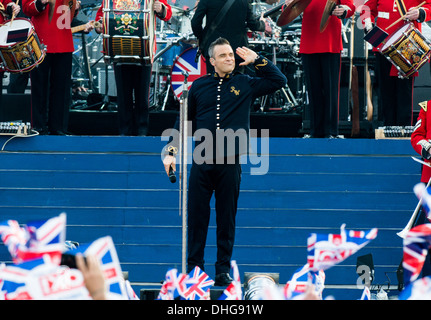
<point>7,9</point>
<point>395,94</point>
<point>51,80</point>
<point>321,59</point>
<point>133,82</point>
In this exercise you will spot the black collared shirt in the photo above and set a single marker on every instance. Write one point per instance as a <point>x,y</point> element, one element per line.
<point>221,105</point>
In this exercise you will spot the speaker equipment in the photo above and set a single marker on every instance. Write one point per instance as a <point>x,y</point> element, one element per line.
<point>15,106</point>
<point>256,283</point>
<point>112,87</point>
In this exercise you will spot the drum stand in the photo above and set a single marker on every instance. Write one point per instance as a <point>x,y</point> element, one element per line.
<point>169,45</point>
<point>106,101</point>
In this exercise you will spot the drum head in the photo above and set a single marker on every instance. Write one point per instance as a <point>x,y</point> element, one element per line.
<point>395,36</point>
<point>15,31</point>
<point>186,62</point>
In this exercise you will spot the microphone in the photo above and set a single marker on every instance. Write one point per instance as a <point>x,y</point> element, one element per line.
<point>172,176</point>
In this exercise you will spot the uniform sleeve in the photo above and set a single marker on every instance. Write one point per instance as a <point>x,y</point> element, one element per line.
<point>350,7</point>
<point>173,142</point>
<point>269,78</point>
<point>253,22</point>
<point>197,19</point>
<point>99,14</point>
<point>32,7</point>
<point>426,11</point>
<point>418,137</point>
<point>368,13</point>
<point>167,14</point>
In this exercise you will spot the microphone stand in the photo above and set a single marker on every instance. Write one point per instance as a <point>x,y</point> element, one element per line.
<point>183,169</point>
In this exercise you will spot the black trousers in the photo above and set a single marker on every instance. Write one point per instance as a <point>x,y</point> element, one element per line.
<point>50,92</point>
<point>133,87</point>
<point>224,181</point>
<point>322,78</point>
<point>395,95</point>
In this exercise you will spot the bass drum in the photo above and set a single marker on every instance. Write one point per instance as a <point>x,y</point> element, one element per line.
<point>185,62</point>
<point>130,28</point>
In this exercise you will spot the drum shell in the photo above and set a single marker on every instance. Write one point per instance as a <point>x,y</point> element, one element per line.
<point>129,33</point>
<point>21,56</point>
<point>407,49</point>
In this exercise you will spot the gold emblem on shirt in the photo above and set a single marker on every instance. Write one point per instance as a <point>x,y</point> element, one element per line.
<point>232,89</point>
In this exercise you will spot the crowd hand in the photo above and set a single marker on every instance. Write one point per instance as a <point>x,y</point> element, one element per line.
<point>158,7</point>
<point>77,5</point>
<point>93,276</point>
<point>412,14</point>
<point>248,55</point>
<point>310,293</point>
<point>168,162</point>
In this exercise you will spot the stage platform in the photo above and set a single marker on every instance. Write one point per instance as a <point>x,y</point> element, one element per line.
<point>111,185</point>
<point>104,122</point>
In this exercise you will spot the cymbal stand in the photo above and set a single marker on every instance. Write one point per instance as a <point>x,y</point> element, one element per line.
<point>106,100</point>
<point>291,101</point>
<point>86,64</point>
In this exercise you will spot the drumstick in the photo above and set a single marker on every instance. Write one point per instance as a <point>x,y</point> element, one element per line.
<point>13,15</point>
<point>417,7</point>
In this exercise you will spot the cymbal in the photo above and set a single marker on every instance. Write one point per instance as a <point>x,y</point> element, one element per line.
<point>177,11</point>
<point>329,7</point>
<point>293,10</point>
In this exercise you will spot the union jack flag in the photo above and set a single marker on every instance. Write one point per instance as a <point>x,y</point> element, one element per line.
<point>104,250</point>
<point>417,290</point>
<point>233,290</point>
<point>230,293</point>
<point>41,279</point>
<point>326,250</point>
<point>198,283</point>
<point>366,294</point>
<point>174,285</point>
<point>423,194</point>
<point>131,295</point>
<point>186,62</point>
<point>301,279</point>
<point>35,239</point>
<point>416,244</point>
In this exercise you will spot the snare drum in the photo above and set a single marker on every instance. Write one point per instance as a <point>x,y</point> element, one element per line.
<point>407,49</point>
<point>20,49</point>
<point>130,36</point>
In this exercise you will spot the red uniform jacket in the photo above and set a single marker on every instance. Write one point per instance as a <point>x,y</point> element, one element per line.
<point>312,41</point>
<point>56,35</point>
<point>421,134</point>
<point>168,13</point>
<point>385,12</point>
<point>3,16</point>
